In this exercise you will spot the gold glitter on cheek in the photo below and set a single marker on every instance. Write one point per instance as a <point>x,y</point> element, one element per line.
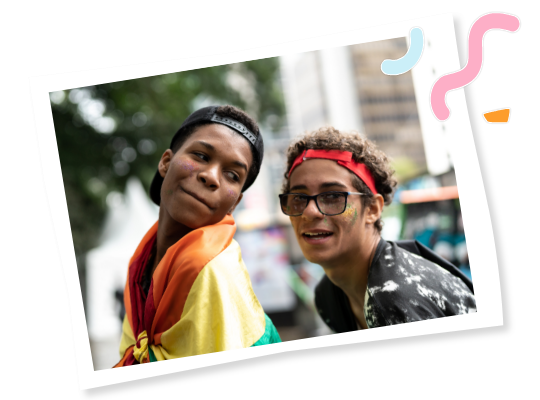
<point>349,212</point>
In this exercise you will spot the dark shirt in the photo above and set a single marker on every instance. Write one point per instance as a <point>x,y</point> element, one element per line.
<point>407,282</point>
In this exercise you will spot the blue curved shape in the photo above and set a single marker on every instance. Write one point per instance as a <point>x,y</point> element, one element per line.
<point>409,60</point>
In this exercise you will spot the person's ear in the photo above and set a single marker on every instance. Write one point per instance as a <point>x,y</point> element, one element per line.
<point>235,204</point>
<point>374,211</point>
<point>165,162</point>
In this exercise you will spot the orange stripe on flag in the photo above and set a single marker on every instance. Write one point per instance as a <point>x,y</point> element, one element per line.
<point>128,351</point>
<point>179,268</point>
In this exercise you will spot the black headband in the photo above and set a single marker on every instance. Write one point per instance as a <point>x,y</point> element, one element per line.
<point>208,114</point>
<point>237,126</point>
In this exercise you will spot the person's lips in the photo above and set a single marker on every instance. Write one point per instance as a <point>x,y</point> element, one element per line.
<point>199,198</point>
<point>316,236</point>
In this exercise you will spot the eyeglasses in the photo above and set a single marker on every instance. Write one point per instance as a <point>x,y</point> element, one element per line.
<point>328,203</point>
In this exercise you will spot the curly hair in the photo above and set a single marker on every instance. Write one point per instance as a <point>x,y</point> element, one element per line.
<point>364,151</point>
<point>238,115</point>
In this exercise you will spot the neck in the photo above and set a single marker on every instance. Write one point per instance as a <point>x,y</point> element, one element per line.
<point>169,232</point>
<point>350,272</point>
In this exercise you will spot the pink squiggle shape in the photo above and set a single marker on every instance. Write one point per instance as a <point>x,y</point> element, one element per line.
<point>466,75</point>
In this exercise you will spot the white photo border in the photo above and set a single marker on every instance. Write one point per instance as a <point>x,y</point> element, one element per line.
<point>477,222</point>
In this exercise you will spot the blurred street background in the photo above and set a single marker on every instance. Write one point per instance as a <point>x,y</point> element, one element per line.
<point>110,138</point>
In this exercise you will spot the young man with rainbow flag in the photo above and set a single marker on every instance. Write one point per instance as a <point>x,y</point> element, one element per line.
<point>188,291</point>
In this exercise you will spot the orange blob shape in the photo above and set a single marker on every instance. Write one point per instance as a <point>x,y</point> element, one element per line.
<point>498,116</point>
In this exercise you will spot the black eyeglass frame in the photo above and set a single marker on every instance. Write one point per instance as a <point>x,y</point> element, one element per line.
<point>314,197</point>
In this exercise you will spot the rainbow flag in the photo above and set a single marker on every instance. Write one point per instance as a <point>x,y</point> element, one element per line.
<point>200,300</point>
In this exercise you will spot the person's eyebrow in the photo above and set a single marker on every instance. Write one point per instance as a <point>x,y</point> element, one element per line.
<point>240,164</point>
<point>298,187</point>
<point>322,186</point>
<point>207,145</point>
<point>331,184</point>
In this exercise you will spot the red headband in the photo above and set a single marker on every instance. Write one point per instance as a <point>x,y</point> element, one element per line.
<point>343,158</point>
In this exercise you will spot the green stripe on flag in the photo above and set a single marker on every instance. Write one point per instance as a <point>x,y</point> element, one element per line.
<point>151,354</point>
<point>270,334</point>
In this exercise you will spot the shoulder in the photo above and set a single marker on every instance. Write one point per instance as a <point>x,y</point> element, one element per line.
<point>228,263</point>
<point>407,268</point>
<point>405,287</point>
<point>221,311</point>
<point>413,268</point>
<point>226,275</point>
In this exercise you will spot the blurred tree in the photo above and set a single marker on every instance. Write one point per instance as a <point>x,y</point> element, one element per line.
<point>406,169</point>
<point>105,133</point>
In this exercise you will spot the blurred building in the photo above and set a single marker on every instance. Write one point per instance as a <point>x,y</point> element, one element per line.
<point>319,90</point>
<point>388,103</point>
<point>345,87</point>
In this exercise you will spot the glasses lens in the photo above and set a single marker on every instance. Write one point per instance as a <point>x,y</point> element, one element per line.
<point>293,204</point>
<point>332,203</point>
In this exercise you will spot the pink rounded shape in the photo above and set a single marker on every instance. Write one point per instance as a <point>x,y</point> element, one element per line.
<point>466,75</point>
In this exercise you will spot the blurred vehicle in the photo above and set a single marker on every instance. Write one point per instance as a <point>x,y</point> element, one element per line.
<point>432,216</point>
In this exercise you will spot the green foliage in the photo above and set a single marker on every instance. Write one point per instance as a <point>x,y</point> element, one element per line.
<point>406,168</point>
<point>105,133</point>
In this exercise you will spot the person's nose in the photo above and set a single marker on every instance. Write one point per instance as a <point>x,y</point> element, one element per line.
<point>210,176</point>
<point>311,211</point>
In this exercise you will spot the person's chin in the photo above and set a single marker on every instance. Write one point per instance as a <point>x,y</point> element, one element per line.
<point>193,218</point>
<point>319,256</point>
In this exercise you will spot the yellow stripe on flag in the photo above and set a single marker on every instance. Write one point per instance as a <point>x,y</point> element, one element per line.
<point>221,311</point>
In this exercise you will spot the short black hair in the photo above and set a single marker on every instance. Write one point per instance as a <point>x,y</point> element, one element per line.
<point>237,114</point>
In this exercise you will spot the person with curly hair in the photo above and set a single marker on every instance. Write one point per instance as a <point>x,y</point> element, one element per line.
<point>188,291</point>
<point>336,185</point>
